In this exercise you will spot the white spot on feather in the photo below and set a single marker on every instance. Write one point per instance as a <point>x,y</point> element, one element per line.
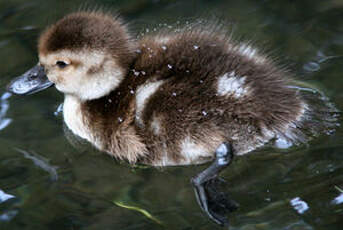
<point>143,94</point>
<point>163,40</point>
<point>156,125</point>
<point>229,84</point>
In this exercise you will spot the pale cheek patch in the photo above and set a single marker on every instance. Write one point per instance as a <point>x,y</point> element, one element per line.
<point>101,83</point>
<point>142,96</point>
<point>229,84</point>
<point>77,80</point>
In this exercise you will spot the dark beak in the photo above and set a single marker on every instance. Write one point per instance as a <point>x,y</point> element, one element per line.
<point>32,81</point>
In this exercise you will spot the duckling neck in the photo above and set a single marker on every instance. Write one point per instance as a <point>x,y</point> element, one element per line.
<point>87,118</point>
<point>73,117</point>
<point>107,123</point>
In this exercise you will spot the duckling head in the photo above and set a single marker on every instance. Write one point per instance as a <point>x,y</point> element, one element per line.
<point>84,54</point>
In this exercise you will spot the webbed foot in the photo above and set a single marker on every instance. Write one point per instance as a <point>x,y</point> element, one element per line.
<point>213,202</point>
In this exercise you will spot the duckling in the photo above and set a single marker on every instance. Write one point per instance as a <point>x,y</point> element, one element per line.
<point>172,98</point>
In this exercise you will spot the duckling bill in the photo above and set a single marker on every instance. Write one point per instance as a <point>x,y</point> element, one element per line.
<point>172,98</point>
<point>32,81</point>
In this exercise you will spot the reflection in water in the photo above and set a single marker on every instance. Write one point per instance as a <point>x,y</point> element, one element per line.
<point>219,201</point>
<point>313,66</point>
<point>59,110</point>
<point>282,143</point>
<point>7,215</point>
<point>4,122</point>
<point>4,106</point>
<point>299,205</point>
<point>338,199</point>
<point>41,162</point>
<point>4,196</point>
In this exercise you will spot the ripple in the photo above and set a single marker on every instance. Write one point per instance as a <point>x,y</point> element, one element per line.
<point>4,106</point>
<point>311,66</point>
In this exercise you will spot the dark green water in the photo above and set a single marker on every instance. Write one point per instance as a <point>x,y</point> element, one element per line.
<point>59,186</point>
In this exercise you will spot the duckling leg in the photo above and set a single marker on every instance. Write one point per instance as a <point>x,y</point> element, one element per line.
<point>200,182</point>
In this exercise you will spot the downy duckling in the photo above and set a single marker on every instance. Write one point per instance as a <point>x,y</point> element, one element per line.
<point>172,98</point>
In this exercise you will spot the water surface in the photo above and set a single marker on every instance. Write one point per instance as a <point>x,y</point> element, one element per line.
<point>58,185</point>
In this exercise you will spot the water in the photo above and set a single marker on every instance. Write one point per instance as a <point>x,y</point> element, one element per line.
<point>61,184</point>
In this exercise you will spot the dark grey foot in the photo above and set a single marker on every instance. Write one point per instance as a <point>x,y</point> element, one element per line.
<point>213,202</point>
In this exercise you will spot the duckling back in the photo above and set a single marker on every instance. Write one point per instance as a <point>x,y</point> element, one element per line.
<point>195,89</point>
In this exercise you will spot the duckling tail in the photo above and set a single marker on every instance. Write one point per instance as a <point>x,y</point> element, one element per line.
<point>319,115</point>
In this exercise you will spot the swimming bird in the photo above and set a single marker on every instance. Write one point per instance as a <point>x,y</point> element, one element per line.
<point>174,97</point>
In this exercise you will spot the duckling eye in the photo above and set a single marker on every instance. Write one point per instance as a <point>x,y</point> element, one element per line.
<point>61,64</point>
